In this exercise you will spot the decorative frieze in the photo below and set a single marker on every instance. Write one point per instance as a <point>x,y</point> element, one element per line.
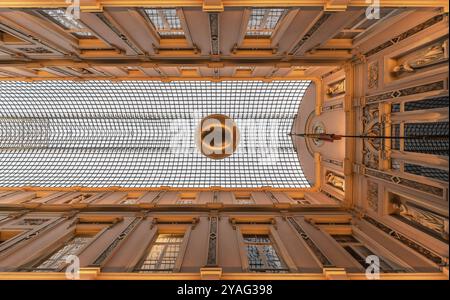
<point>371,127</point>
<point>405,182</point>
<point>419,89</point>
<point>335,180</point>
<point>336,88</point>
<point>122,236</point>
<point>310,32</point>
<point>211,260</point>
<point>372,195</point>
<point>416,29</point>
<point>333,162</point>
<point>214,33</point>
<point>420,218</point>
<point>421,58</point>
<point>406,241</point>
<point>328,108</point>
<point>372,75</point>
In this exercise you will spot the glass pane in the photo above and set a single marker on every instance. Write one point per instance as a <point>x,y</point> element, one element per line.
<point>58,259</point>
<point>431,103</point>
<point>263,21</point>
<point>432,138</point>
<point>427,172</point>
<point>166,21</point>
<point>67,21</point>
<point>142,133</point>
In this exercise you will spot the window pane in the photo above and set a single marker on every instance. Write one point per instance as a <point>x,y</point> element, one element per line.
<point>261,255</point>
<point>263,21</point>
<point>58,259</point>
<point>166,21</point>
<point>67,21</point>
<point>435,141</point>
<point>427,172</point>
<point>163,254</point>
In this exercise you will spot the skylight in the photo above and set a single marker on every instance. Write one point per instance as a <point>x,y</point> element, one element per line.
<point>141,133</point>
<point>67,21</point>
<point>166,21</point>
<point>263,21</point>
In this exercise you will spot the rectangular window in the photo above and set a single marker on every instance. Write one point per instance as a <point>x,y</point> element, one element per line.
<point>263,21</point>
<point>56,261</point>
<point>262,255</point>
<point>166,22</point>
<point>163,254</point>
<point>67,22</point>
<point>360,252</point>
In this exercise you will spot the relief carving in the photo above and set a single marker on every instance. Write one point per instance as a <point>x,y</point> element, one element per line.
<point>420,217</point>
<point>432,55</point>
<point>371,127</point>
<point>372,195</point>
<point>335,180</point>
<point>372,75</point>
<point>336,88</point>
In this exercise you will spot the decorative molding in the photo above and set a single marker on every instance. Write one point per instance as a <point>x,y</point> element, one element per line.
<point>31,234</point>
<point>310,32</point>
<point>122,236</point>
<point>312,246</point>
<point>436,191</point>
<point>372,195</point>
<point>234,222</point>
<point>194,221</point>
<point>371,127</point>
<point>211,260</point>
<point>214,33</point>
<point>335,180</point>
<point>336,88</point>
<point>333,162</point>
<point>416,29</point>
<point>406,241</point>
<point>328,108</point>
<point>372,75</point>
<point>423,219</point>
<point>419,89</point>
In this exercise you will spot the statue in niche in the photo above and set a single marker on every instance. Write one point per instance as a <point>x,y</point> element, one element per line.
<point>335,181</point>
<point>421,217</point>
<point>336,89</point>
<point>433,55</point>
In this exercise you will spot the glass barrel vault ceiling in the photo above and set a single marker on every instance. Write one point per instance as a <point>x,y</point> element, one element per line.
<point>141,133</point>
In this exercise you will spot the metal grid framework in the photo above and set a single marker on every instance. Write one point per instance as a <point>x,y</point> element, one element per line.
<point>263,21</point>
<point>163,254</point>
<point>166,21</point>
<point>141,133</point>
<point>66,21</point>
<point>432,146</point>
<point>429,172</point>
